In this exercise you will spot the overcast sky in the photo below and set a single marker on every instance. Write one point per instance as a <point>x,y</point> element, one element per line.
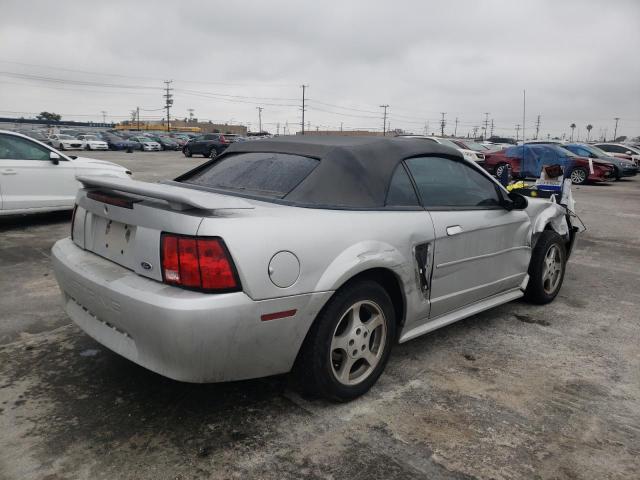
<point>578,61</point>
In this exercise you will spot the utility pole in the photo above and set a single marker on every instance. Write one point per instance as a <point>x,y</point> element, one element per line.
<point>190,110</point>
<point>615,131</point>
<point>455,130</point>
<point>517,131</point>
<point>491,135</point>
<point>384,120</point>
<point>341,126</point>
<point>259,119</point>
<point>104,116</point>
<point>475,132</point>
<point>286,127</point>
<point>278,129</point>
<point>304,88</point>
<point>442,123</point>
<point>537,127</point>
<point>486,125</point>
<point>138,116</point>
<point>168,102</point>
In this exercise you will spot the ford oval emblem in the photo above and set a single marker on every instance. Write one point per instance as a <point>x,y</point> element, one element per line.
<point>146,265</point>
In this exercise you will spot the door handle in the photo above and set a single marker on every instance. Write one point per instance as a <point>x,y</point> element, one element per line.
<point>9,171</point>
<point>454,230</point>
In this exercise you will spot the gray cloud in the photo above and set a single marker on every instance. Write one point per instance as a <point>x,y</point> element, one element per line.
<point>576,59</point>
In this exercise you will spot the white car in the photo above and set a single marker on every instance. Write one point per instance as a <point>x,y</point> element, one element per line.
<point>147,144</point>
<point>466,153</point>
<point>66,142</point>
<point>36,178</point>
<point>93,143</point>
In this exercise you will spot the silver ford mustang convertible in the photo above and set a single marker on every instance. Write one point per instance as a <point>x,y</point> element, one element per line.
<point>303,254</point>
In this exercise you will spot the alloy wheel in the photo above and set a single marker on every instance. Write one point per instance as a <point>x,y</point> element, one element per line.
<point>578,176</point>
<point>358,342</point>
<point>552,269</point>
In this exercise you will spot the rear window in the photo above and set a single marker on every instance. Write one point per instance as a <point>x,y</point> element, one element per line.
<point>270,175</point>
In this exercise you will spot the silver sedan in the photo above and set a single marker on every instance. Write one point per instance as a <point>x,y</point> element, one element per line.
<point>304,255</point>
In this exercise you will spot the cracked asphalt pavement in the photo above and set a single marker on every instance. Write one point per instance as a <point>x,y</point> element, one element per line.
<point>520,391</point>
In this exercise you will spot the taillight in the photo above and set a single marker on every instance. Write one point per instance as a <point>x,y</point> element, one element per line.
<point>199,263</point>
<point>73,218</point>
<point>223,139</point>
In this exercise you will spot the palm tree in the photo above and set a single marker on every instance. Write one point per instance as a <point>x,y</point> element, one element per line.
<point>572,127</point>
<point>589,127</point>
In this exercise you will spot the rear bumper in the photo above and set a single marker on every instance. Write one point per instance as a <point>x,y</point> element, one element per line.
<point>183,335</point>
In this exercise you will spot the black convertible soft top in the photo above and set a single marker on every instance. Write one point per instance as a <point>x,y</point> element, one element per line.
<point>353,172</point>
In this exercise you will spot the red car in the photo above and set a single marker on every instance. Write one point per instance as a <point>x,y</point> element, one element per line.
<point>535,156</point>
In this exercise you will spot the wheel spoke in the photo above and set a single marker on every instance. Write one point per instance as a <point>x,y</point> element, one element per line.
<point>370,357</point>
<point>345,369</point>
<point>357,315</point>
<point>340,342</point>
<point>374,322</point>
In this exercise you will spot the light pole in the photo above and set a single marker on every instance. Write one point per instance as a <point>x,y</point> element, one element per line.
<point>615,130</point>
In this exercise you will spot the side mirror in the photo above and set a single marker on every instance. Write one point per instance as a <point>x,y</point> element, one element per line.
<point>54,157</point>
<point>515,201</point>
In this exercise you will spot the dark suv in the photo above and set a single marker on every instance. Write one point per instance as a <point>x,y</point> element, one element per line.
<point>209,145</point>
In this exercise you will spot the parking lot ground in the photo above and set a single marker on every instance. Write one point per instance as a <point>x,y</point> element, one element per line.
<point>520,391</point>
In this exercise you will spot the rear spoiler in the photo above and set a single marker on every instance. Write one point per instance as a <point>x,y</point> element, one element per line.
<point>178,198</point>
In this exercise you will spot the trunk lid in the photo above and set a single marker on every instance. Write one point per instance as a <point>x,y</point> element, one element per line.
<point>122,219</point>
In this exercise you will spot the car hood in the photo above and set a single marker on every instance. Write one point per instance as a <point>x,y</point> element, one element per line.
<point>620,162</point>
<point>95,163</point>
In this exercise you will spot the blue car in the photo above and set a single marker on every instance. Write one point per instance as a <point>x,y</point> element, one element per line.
<point>118,143</point>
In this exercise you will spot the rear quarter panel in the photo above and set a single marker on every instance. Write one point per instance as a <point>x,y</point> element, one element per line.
<point>332,246</point>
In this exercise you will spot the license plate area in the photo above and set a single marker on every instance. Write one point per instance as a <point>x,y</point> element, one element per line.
<point>114,240</point>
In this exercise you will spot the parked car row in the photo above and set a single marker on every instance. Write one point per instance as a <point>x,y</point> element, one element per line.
<point>72,139</point>
<point>581,162</point>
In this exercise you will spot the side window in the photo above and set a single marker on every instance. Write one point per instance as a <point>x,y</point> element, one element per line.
<point>582,152</point>
<point>443,183</point>
<point>17,148</point>
<point>401,192</point>
<point>615,149</point>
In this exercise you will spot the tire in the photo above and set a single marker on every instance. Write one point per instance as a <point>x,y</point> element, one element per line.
<point>579,176</point>
<point>617,174</point>
<point>187,152</point>
<point>213,153</point>
<point>499,168</point>
<point>324,367</point>
<point>61,147</point>
<point>546,269</point>
<point>87,147</point>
